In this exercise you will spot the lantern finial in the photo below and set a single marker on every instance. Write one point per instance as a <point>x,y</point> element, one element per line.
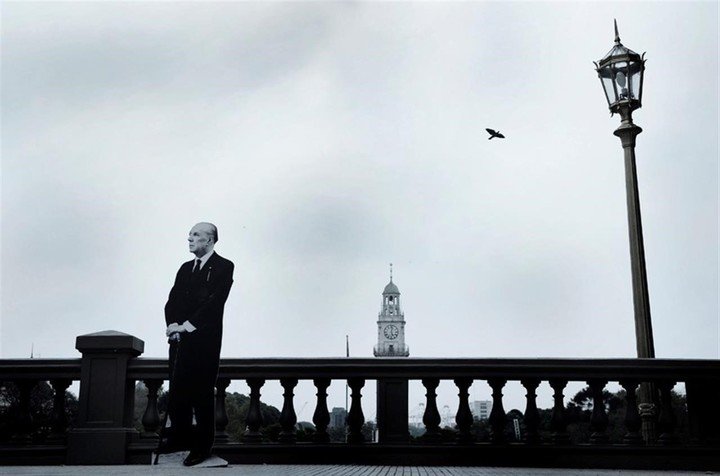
<point>617,35</point>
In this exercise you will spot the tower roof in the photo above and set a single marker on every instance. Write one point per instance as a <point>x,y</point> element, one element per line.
<point>391,288</point>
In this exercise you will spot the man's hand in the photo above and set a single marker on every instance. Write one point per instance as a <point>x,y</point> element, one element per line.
<point>174,328</point>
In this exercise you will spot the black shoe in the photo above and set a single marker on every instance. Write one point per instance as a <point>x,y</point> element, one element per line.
<point>196,457</point>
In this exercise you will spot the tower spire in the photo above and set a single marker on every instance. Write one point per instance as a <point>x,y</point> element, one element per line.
<point>391,272</point>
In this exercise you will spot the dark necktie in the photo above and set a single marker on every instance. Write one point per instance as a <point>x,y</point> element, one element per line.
<point>197,266</point>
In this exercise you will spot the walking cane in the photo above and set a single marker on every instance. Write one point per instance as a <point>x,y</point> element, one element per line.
<point>174,337</point>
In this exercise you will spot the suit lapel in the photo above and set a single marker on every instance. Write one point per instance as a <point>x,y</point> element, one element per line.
<point>187,267</point>
<point>208,270</point>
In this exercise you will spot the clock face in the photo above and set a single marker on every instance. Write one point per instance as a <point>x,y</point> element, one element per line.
<point>391,332</point>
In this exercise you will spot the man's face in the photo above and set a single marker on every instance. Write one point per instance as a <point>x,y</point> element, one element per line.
<point>199,239</point>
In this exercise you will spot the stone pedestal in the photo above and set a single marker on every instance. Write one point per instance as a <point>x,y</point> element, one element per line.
<point>107,398</point>
<point>704,418</point>
<point>392,410</point>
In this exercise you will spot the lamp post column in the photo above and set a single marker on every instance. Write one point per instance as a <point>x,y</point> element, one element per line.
<point>641,301</point>
<point>627,132</point>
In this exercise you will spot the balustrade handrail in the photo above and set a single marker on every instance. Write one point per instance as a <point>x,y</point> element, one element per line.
<point>446,368</point>
<point>39,369</point>
<point>410,368</point>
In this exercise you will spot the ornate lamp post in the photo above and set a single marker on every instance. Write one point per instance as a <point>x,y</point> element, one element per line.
<point>621,75</point>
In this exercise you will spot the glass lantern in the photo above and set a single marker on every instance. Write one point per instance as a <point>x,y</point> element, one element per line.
<point>621,74</point>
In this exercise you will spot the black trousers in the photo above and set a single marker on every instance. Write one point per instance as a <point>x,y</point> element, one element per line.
<point>192,391</point>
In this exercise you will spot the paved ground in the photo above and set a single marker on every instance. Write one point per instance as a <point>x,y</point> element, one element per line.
<point>318,470</point>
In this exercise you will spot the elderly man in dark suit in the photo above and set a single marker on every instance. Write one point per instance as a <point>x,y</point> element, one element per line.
<point>194,319</point>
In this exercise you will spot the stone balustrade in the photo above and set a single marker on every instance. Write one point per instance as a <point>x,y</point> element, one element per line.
<point>103,432</point>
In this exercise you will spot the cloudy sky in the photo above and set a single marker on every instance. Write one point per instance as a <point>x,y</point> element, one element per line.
<point>327,140</point>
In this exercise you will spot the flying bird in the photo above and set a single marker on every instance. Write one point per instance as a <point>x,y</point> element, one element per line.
<point>494,134</point>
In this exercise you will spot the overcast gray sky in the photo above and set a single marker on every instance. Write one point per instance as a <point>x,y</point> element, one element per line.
<point>328,139</point>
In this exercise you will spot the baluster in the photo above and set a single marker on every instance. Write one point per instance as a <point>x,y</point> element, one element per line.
<point>151,417</point>
<point>464,417</point>
<point>558,423</point>
<point>221,416</point>
<point>497,415</point>
<point>431,417</point>
<point>355,418</point>
<point>531,417</point>
<point>59,418</point>
<point>25,419</point>
<point>254,417</point>
<point>632,415</point>
<point>288,419</point>
<point>321,417</point>
<point>666,420</point>
<point>599,419</point>
<point>648,408</point>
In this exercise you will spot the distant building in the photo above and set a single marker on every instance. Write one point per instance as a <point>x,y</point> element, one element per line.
<point>391,324</point>
<point>481,409</point>
<point>338,417</point>
<point>447,417</point>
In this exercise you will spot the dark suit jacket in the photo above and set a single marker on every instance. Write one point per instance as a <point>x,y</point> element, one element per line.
<point>200,298</point>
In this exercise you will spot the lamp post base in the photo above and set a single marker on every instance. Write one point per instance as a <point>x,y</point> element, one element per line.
<point>648,416</point>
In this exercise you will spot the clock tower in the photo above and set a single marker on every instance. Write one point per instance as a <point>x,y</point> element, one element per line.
<point>391,324</point>
<point>392,392</point>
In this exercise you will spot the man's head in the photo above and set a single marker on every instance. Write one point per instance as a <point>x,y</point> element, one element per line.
<point>202,238</point>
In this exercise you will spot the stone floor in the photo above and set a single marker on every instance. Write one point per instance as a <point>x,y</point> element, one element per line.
<point>319,470</point>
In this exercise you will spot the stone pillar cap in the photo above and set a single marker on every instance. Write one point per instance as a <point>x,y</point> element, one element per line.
<point>110,342</point>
